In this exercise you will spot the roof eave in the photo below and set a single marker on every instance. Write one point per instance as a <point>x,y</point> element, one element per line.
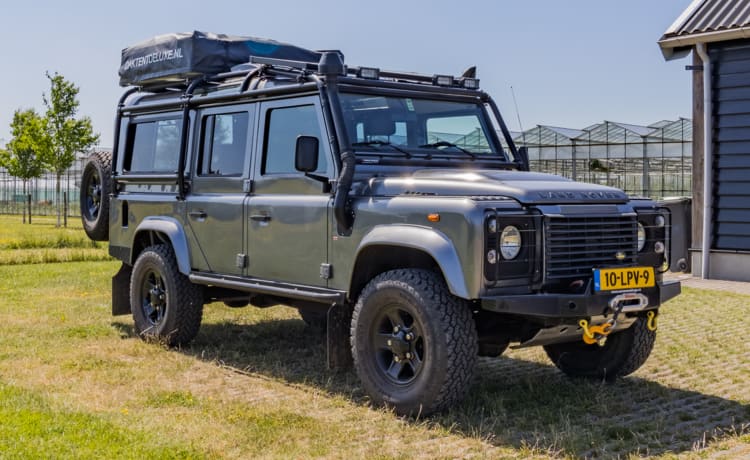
<point>679,46</point>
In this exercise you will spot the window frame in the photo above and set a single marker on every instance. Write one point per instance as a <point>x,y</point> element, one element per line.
<point>248,111</point>
<point>127,158</point>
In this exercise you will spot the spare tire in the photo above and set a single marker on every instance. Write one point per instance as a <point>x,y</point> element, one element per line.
<point>96,185</point>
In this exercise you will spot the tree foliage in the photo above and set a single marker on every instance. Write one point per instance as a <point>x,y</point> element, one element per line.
<point>66,134</point>
<point>22,156</point>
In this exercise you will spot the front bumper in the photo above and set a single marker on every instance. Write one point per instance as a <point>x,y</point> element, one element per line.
<point>573,306</point>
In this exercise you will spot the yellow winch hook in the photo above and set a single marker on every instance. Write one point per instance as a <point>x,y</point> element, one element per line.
<point>590,333</point>
<point>651,323</point>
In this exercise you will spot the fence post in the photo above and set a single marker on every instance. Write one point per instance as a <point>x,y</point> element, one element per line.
<point>28,203</point>
<point>65,209</point>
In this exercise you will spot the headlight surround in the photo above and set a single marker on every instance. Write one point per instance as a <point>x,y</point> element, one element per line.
<point>510,242</point>
<point>641,237</point>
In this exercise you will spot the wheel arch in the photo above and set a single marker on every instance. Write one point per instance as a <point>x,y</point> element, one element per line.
<point>415,247</point>
<point>159,229</point>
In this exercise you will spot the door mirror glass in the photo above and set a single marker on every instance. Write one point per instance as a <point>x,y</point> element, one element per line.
<point>306,154</point>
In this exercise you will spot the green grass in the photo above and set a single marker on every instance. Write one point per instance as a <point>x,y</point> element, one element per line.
<point>32,428</point>
<point>76,383</point>
<point>42,242</point>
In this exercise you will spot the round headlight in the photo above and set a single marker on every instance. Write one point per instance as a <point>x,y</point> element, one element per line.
<point>510,242</point>
<point>641,237</point>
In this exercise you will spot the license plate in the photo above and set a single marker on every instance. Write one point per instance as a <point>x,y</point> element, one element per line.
<point>612,279</point>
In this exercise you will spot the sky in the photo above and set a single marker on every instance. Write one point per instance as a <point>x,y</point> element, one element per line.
<point>570,63</point>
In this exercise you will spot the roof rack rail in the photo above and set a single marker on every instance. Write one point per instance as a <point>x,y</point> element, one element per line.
<point>297,65</point>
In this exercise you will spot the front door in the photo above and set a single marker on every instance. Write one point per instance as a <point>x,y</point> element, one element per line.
<point>220,182</point>
<point>289,213</point>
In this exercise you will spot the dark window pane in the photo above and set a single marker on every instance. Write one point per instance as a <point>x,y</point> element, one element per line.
<point>284,126</point>
<point>224,144</point>
<point>155,147</point>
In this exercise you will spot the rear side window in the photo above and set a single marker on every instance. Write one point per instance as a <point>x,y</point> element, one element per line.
<point>224,144</point>
<point>153,146</point>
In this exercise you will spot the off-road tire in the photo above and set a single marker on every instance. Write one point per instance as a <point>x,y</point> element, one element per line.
<point>622,354</point>
<point>448,342</point>
<point>96,185</point>
<point>315,319</point>
<point>175,318</point>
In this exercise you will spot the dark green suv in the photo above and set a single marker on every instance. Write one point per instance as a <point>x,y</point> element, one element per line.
<point>391,208</point>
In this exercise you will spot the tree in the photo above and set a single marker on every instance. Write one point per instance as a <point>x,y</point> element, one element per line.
<point>22,156</point>
<point>67,135</point>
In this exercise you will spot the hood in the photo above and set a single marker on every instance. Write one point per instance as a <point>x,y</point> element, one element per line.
<point>525,187</point>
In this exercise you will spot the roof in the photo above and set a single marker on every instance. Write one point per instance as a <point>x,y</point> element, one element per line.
<point>705,21</point>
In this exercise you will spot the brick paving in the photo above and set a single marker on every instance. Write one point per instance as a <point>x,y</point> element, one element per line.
<point>689,280</point>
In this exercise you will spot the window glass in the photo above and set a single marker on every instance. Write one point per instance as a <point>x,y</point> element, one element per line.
<point>283,127</point>
<point>224,144</point>
<point>154,147</point>
<point>381,123</point>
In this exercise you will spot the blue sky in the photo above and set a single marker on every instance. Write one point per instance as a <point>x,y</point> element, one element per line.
<point>571,63</point>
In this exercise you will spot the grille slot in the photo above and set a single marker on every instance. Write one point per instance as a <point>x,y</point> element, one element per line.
<point>576,245</point>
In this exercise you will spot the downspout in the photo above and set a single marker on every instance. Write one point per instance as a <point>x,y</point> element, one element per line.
<point>700,48</point>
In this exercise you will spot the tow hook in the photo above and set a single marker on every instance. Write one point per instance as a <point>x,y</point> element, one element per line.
<point>651,323</point>
<point>595,334</point>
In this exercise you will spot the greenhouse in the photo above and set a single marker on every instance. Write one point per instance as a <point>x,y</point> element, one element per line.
<point>653,160</point>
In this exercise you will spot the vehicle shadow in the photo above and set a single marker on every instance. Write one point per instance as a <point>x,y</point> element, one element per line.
<point>514,401</point>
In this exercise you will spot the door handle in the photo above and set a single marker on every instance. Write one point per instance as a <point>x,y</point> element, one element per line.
<point>260,217</point>
<point>198,214</point>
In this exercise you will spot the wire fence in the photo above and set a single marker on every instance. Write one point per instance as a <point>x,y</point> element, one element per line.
<point>41,192</point>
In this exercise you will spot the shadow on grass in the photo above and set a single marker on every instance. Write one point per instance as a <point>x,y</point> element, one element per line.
<point>512,403</point>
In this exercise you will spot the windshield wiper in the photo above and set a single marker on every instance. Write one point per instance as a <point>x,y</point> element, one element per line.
<point>447,144</point>
<point>381,144</point>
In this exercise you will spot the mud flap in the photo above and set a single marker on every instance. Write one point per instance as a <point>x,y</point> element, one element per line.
<point>337,337</point>
<point>121,291</point>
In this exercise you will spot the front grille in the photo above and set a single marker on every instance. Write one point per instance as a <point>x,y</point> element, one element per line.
<point>576,245</point>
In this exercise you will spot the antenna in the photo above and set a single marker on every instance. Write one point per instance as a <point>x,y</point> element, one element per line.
<point>518,114</point>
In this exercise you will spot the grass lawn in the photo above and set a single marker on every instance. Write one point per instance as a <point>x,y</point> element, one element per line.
<point>76,383</point>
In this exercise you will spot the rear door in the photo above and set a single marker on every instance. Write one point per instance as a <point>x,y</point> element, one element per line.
<point>289,213</point>
<point>220,184</point>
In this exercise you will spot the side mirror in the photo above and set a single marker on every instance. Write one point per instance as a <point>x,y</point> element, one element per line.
<point>306,154</point>
<point>523,158</point>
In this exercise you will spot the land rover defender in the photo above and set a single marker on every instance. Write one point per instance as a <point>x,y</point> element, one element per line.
<point>393,209</point>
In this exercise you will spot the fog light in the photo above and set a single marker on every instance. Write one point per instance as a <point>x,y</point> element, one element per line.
<point>659,247</point>
<point>492,256</point>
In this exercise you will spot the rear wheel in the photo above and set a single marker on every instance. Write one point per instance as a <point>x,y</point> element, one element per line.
<point>622,354</point>
<point>96,185</point>
<point>166,306</point>
<point>414,344</point>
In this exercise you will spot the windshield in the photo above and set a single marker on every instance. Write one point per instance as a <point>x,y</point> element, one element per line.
<point>408,126</point>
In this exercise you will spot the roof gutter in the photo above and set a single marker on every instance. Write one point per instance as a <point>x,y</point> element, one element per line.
<point>670,46</point>
<point>700,48</point>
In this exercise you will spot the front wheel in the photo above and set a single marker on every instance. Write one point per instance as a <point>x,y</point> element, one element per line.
<point>166,306</point>
<point>414,344</point>
<point>622,354</point>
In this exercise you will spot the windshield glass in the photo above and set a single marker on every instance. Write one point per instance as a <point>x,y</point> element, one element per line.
<point>412,126</point>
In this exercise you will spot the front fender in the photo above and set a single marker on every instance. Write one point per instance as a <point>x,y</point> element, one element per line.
<point>173,230</point>
<point>428,240</point>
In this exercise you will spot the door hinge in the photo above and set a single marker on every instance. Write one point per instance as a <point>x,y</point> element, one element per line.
<point>241,261</point>
<point>326,271</point>
<point>247,186</point>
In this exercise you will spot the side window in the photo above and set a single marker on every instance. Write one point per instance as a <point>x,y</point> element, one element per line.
<point>283,126</point>
<point>223,144</point>
<point>153,146</point>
